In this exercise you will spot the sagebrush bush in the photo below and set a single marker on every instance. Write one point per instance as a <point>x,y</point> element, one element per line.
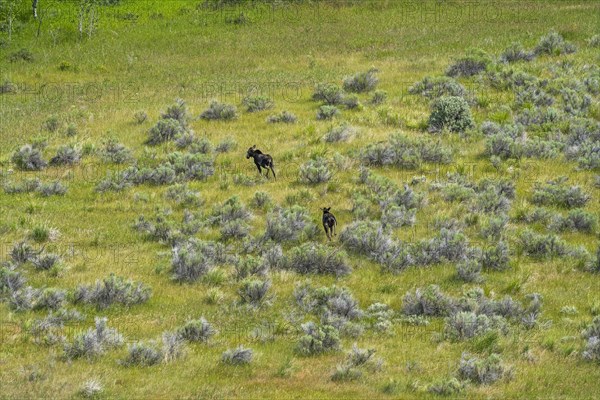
<point>434,87</point>
<point>250,266</point>
<point>164,130</point>
<point>172,347</point>
<point>592,349</point>
<point>51,298</point>
<point>29,158</point>
<point>327,112</point>
<point>367,238</point>
<point>394,216</point>
<point>55,188</point>
<point>238,356</point>
<point>576,220</point>
<point>261,200</point>
<point>254,292</point>
<point>24,299</point>
<point>315,171</point>
<point>469,271</point>
<point>516,52</point>
<point>91,388</point>
<point>142,355</point>
<point>140,117</point>
<point>496,257</point>
<point>357,360</point>
<point>313,258</point>
<point>257,103</point>
<point>198,330</point>
<point>184,196</point>
<point>219,111</point>
<point>191,260</point>
<point>113,289</point>
<point>541,246</point>
<point>449,245</point>
<point>429,302</point>
<point>10,280</point>
<point>178,112</point>
<point>22,54</point>
<point>452,113</point>
<point>406,152</point>
<point>554,44</point>
<point>226,145</point>
<point>474,62</point>
<point>361,82</point>
<point>289,224</point>
<point>340,133</point>
<point>465,325</point>
<point>115,152</point>
<point>329,93</point>
<point>446,387</point>
<point>66,155</point>
<point>379,97</point>
<point>318,339</point>
<point>482,371</point>
<point>352,102</point>
<point>94,341</point>
<point>556,193</point>
<point>285,117</point>
<point>22,252</point>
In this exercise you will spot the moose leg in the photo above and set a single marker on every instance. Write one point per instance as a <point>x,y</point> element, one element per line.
<point>333,229</point>
<point>327,231</point>
<point>259,170</point>
<point>273,171</point>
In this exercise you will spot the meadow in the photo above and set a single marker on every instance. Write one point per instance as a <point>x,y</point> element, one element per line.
<point>143,256</point>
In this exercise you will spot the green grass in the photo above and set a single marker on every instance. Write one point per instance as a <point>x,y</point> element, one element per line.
<point>132,63</point>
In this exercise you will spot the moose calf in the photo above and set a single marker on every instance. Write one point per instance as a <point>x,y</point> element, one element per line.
<point>329,222</point>
<point>261,160</point>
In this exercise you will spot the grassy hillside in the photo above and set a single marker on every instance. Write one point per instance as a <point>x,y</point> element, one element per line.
<point>474,188</point>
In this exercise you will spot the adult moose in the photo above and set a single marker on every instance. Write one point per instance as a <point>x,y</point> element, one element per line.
<point>329,222</point>
<point>261,160</point>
